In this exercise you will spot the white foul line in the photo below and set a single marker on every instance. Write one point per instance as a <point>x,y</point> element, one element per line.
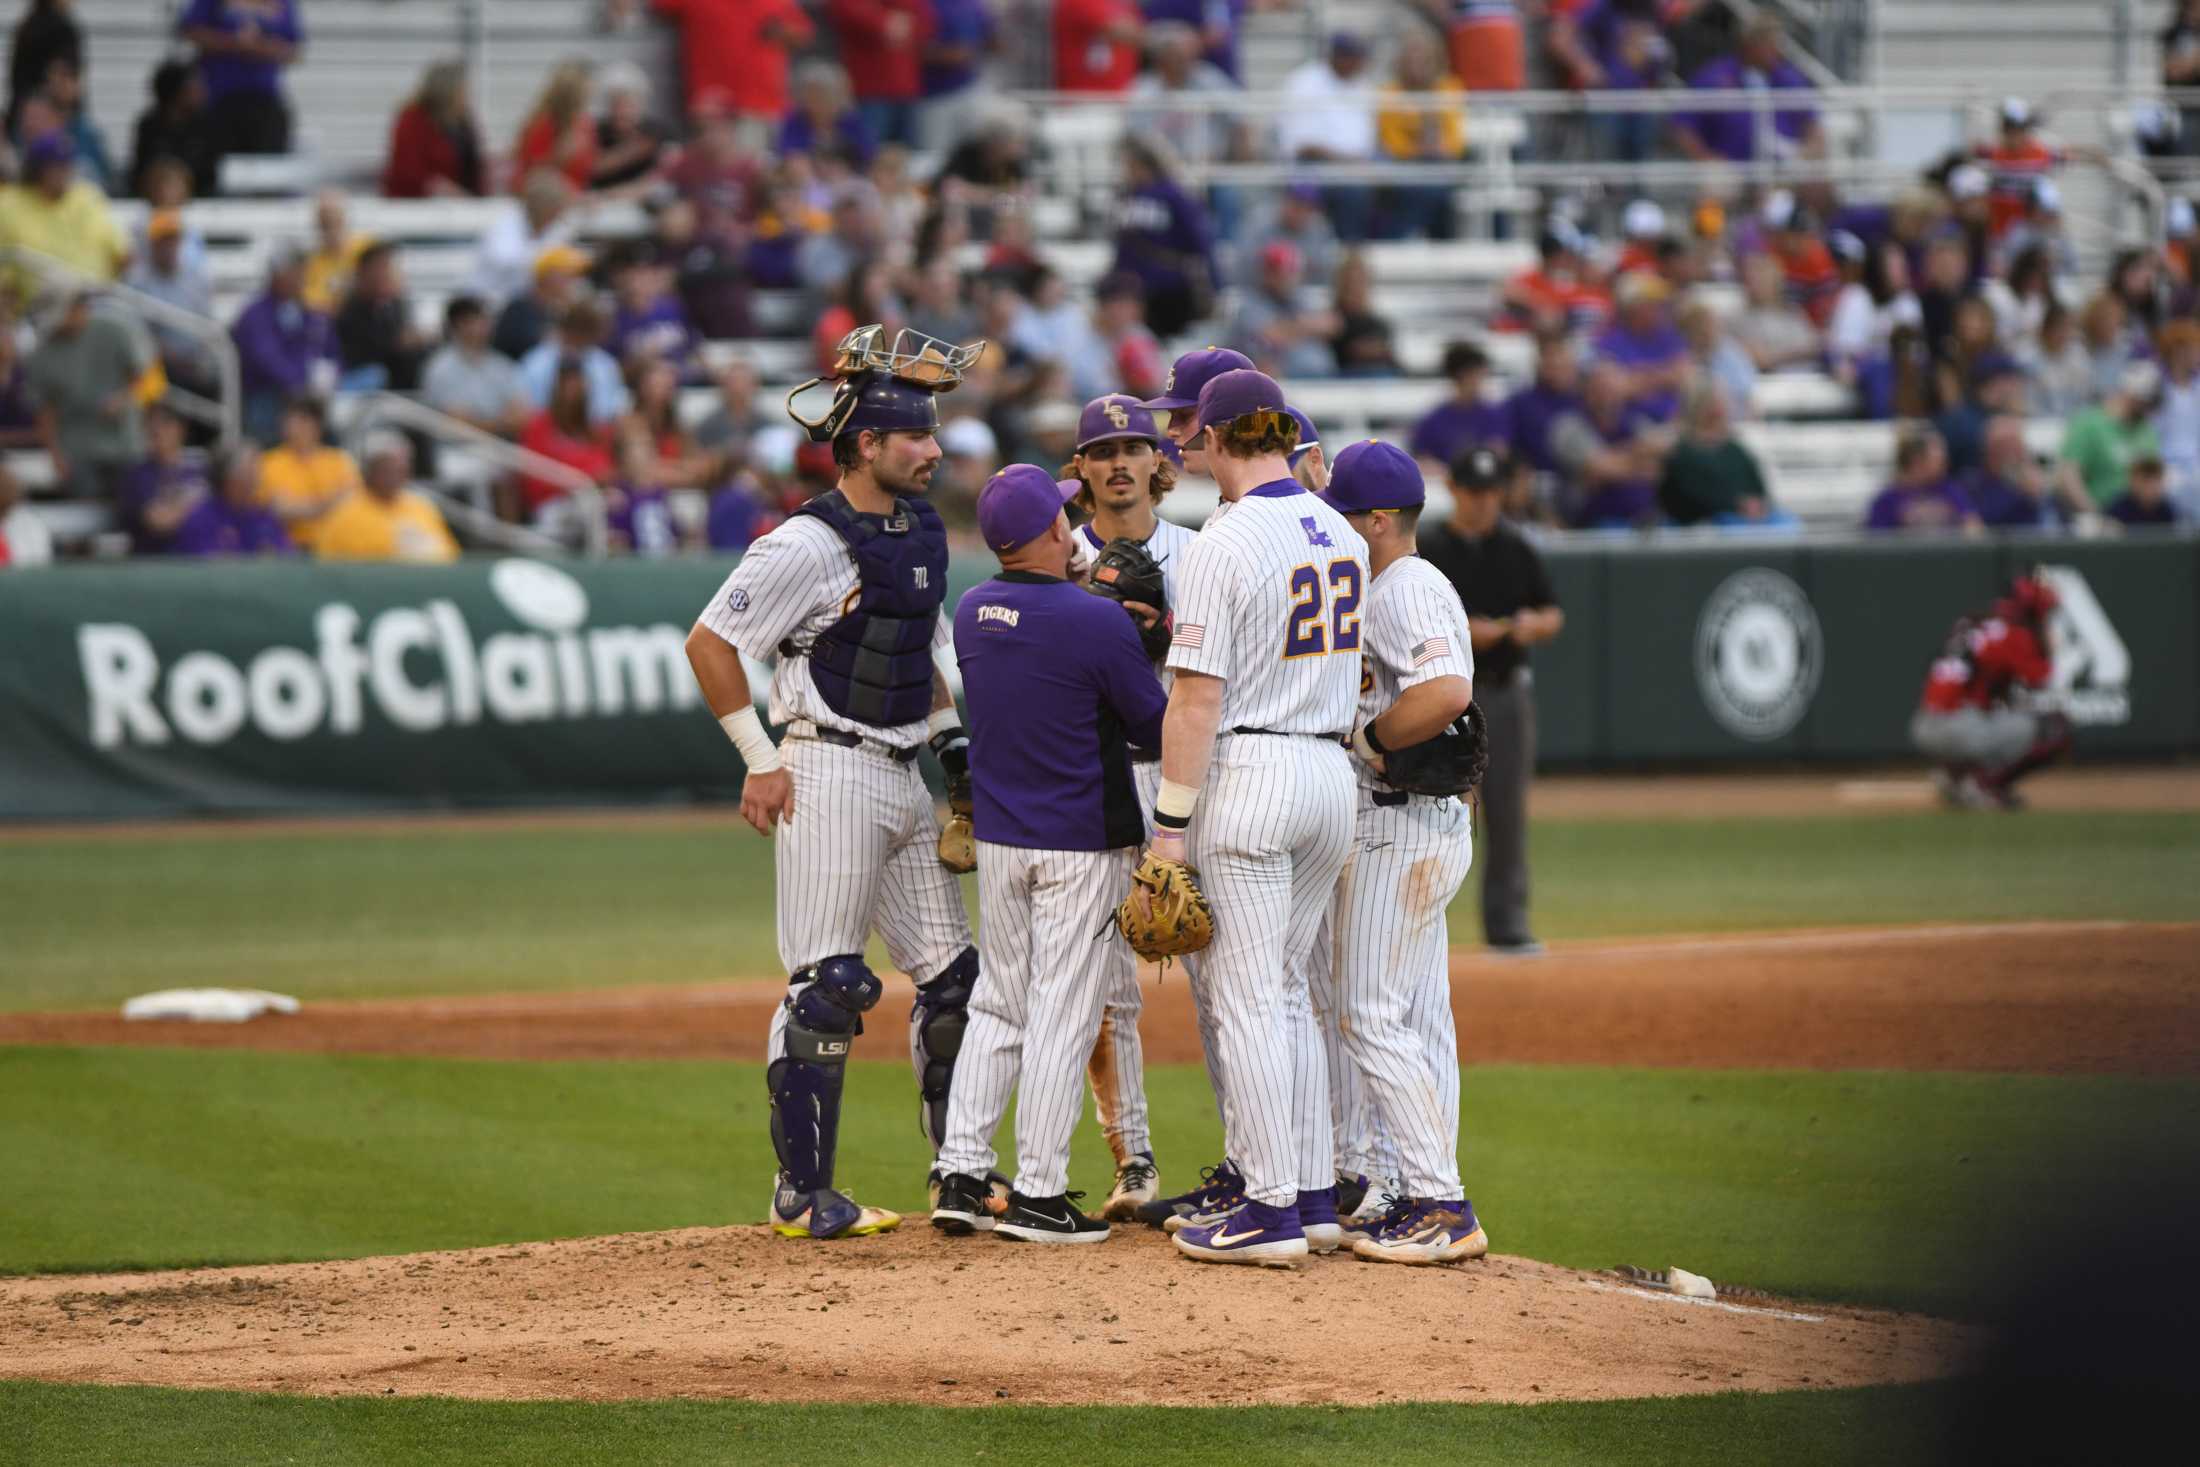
<point>1663,1298</point>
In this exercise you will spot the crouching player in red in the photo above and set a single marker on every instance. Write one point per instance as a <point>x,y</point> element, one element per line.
<point>1978,719</point>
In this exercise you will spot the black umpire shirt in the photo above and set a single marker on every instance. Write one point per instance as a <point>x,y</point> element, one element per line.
<point>1495,576</point>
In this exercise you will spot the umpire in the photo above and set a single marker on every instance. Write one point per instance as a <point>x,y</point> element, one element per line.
<point>1510,608</point>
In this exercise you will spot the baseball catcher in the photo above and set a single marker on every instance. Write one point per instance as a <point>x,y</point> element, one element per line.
<point>1978,718</point>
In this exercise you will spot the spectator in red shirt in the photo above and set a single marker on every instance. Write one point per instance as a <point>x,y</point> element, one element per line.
<point>734,53</point>
<point>1096,45</point>
<point>564,433</point>
<point>435,147</point>
<point>882,45</point>
<point>559,134</point>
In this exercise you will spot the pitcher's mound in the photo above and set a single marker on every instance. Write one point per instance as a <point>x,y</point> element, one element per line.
<point>916,1317</point>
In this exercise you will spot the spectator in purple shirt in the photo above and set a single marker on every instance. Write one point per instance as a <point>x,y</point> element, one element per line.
<point>1611,453</point>
<point>1555,391</point>
<point>243,46</point>
<point>232,522</point>
<point>1647,347</point>
<point>638,505</point>
<point>285,348</point>
<point>825,116</point>
<point>1467,419</point>
<point>1922,496</point>
<point>1162,237</point>
<point>954,58</point>
<point>650,321</point>
<point>158,494</point>
<point>2009,489</point>
<point>1754,65</point>
<point>1216,21</point>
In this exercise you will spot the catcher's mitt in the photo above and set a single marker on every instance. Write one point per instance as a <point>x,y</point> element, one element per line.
<point>1452,763</point>
<point>1177,919</point>
<point>1125,570</point>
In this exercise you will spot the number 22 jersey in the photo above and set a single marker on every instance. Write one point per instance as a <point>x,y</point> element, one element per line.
<point>1270,598</point>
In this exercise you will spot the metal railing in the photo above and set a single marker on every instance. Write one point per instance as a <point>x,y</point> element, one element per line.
<point>376,408</point>
<point>225,414</point>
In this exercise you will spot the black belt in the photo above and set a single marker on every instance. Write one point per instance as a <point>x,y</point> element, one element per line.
<point>1141,757</point>
<point>1279,733</point>
<point>856,741</point>
<point>1389,798</point>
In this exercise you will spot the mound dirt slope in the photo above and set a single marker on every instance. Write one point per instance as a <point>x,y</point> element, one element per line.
<point>916,1317</point>
<point>2066,997</point>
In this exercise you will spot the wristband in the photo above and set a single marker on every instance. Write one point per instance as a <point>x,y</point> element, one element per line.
<point>756,746</point>
<point>1365,744</point>
<point>1173,805</point>
<point>943,720</point>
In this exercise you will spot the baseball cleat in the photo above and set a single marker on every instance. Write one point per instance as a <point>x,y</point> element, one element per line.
<point>1223,1195</point>
<point>1428,1231</point>
<point>1373,1215</point>
<point>1252,1233</point>
<point>960,1206</point>
<point>1049,1220</point>
<point>1318,1220</point>
<point>826,1214</point>
<point>1220,1188</point>
<point>1137,1182</point>
<point>1526,947</point>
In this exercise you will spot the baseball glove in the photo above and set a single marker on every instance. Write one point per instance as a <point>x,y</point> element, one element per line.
<point>1177,919</point>
<point>1125,570</point>
<point>958,842</point>
<point>1452,763</point>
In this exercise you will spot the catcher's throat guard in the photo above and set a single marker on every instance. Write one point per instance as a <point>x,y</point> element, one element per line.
<point>885,386</point>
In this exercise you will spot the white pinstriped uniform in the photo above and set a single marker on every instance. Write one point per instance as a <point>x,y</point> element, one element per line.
<point>1269,599</point>
<point>1065,967</point>
<point>1380,973</point>
<point>1119,1061</point>
<point>861,849</point>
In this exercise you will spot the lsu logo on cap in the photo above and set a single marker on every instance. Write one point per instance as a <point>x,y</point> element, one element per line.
<point>1118,415</point>
<point>1168,383</point>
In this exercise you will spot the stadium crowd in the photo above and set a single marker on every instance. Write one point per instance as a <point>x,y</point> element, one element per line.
<point>850,152</point>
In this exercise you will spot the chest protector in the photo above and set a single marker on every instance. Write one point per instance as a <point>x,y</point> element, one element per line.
<point>874,665</point>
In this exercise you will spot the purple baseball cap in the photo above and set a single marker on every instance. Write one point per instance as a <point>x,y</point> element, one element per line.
<point>1118,415</point>
<point>1191,372</point>
<point>1308,438</point>
<point>1371,475</point>
<point>1018,503</point>
<point>1234,394</point>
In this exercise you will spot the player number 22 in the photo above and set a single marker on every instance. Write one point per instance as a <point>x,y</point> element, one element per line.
<point>1325,611</point>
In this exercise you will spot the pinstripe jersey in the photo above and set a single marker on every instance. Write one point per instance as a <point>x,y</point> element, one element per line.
<point>1270,597</point>
<point>794,583</point>
<point>1416,632</point>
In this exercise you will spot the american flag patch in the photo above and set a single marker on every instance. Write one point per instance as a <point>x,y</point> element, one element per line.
<point>1191,634</point>
<point>1430,650</point>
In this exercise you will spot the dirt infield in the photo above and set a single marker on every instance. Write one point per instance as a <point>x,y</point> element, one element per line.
<point>916,1317</point>
<point>2047,997</point>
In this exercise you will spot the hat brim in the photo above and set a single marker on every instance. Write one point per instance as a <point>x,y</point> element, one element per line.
<point>1168,404</point>
<point>1126,435</point>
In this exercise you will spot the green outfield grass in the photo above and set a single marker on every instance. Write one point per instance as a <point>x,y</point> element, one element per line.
<point>1884,1188</point>
<point>69,1425</point>
<point>348,914</point>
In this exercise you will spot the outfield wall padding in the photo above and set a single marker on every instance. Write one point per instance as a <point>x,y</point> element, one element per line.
<point>173,688</point>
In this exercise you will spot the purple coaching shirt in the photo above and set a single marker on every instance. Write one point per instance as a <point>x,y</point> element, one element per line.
<point>1057,683</point>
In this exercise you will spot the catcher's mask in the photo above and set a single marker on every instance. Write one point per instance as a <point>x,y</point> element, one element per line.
<point>885,387</point>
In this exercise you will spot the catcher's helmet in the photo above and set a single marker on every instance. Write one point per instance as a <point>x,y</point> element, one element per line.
<point>2030,598</point>
<point>885,388</point>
